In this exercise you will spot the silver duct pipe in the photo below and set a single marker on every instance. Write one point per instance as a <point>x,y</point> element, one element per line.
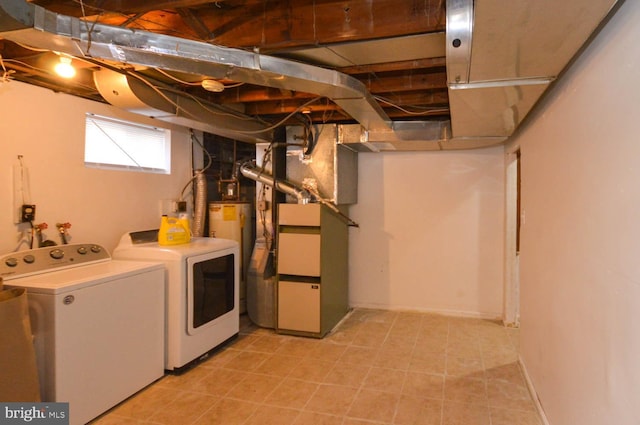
<point>33,25</point>
<point>200,208</point>
<point>249,171</point>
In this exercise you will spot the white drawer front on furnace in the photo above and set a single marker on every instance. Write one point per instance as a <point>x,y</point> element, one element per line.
<point>299,254</point>
<point>299,306</point>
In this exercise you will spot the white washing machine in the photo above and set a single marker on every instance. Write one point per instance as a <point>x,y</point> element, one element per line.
<point>202,311</point>
<point>98,324</point>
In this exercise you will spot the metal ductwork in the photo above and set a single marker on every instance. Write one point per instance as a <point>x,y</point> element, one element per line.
<point>33,25</point>
<point>519,48</point>
<point>131,94</point>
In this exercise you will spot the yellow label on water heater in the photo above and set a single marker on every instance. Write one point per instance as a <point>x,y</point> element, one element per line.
<point>229,213</point>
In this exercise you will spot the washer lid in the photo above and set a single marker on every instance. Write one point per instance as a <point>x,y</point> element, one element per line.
<point>71,279</point>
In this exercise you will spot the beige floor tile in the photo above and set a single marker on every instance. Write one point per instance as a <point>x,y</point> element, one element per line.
<point>184,409</point>
<point>368,338</point>
<point>368,315</point>
<point>245,361</point>
<point>463,366</point>
<point>297,346</point>
<point>423,385</point>
<point>254,387</point>
<point>187,380</point>
<point>409,319</point>
<point>514,337</point>
<point>377,367</point>
<point>315,418</point>
<point>428,362</point>
<point>243,341</point>
<point>273,415</point>
<point>218,381</point>
<point>310,369</point>
<point>412,410</point>
<point>394,356</point>
<point>266,343</point>
<point>509,395</point>
<point>508,372</point>
<point>434,323</point>
<point>469,349</point>
<point>278,364</point>
<point>332,399</point>
<point>404,334</point>
<point>465,390</point>
<point>347,374</point>
<point>465,414</point>
<point>220,358</point>
<point>514,417</point>
<point>382,379</point>
<point>327,351</point>
<point>146,403</point>
<point>431,345</point>
<point>363,356</point>
<point>374,405</point>
<point>355,421</point>
<point>113,419</point>
<point>499,356</point>
<point>342,335</point>
<point>292,393</point>
<point>228,412</point>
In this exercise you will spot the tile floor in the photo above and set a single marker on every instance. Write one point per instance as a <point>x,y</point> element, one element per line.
<point>377,367</point>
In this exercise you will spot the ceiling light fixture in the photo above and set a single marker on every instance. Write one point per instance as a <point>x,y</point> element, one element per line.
<point>212,85</point>
<point>64,68</point>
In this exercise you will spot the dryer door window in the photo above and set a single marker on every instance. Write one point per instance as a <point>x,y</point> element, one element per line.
<point>213,289</point>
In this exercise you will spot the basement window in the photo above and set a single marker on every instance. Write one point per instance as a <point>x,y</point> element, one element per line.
<point>122,145</point>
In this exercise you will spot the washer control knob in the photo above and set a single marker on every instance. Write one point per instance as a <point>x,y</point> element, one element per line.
<point>11,261</point>
<point>29,259</point>
<point>82,250</point>
<point>57,254</point>
<point>96,249</point>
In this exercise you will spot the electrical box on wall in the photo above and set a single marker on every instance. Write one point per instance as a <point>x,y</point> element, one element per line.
<point>27,213</point>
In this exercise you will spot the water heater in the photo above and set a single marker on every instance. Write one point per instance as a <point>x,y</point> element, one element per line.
<point>233,220</point>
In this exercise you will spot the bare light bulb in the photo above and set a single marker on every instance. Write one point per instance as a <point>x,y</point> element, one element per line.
<point>64,68</point>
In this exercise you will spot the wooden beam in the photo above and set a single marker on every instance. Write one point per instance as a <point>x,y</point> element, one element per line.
<point>424,64</point>
<point>405,83</point>
<point>195,23</point>
<point>282,24</point>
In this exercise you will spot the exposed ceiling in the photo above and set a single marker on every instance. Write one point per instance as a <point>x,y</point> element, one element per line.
<point>392,66</point>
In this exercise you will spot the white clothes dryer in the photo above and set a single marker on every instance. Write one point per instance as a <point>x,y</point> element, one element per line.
<point>202,276</point>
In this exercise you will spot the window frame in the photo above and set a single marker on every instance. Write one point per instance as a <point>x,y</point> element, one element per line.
<point>112,129</point>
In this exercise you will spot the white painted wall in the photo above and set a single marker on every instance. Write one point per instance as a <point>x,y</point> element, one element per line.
<point>580,252</point>
<point>431,232</point>
<point>47,128</point>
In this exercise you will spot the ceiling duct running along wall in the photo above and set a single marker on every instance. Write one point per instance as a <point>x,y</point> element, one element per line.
<point>518,47</point>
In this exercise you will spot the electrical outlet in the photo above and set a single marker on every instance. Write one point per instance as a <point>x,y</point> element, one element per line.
<point>27,213</point>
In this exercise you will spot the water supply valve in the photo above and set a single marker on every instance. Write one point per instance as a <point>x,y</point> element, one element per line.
<point>64,234</point>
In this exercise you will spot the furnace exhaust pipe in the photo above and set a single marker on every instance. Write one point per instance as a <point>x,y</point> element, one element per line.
<point>251,172</point>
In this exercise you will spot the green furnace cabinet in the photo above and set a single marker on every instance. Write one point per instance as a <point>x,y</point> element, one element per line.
<point>312,261</point>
